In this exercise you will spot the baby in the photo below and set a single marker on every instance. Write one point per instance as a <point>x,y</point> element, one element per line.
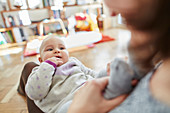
<point>53,84</point>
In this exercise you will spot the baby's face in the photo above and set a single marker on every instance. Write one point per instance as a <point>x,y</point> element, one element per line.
<point>53,47</point>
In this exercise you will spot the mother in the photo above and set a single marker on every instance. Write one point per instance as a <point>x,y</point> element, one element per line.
<point>148,21</point>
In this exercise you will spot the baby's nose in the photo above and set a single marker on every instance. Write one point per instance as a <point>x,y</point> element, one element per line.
<point>56,51</point>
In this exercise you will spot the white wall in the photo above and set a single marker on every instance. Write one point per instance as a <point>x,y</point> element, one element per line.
<point>109,21</point>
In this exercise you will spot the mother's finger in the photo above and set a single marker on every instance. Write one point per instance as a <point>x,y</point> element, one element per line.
<point>111,104</point>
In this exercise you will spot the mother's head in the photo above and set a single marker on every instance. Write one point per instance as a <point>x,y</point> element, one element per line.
<point>146,15</point>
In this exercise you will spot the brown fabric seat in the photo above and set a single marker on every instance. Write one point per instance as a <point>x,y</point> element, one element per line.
<point>32,108</point>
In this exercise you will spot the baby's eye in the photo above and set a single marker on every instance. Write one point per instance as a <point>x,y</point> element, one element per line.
<point>61,48</point>
<point>49,49</point>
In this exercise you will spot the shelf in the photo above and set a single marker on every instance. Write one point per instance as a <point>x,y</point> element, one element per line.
<point>82,4</point>
<point>33,23</point>
<point>22,25</point>
<point>13,10</point>
<point>10,28</point>
<point>4,29</point>
<point>48,7</point>
<point>8,45</point>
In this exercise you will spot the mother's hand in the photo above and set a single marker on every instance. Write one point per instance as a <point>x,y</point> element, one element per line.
<point>89,98</point>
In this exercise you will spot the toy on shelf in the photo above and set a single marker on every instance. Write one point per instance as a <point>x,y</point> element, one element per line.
<point>83,22</point>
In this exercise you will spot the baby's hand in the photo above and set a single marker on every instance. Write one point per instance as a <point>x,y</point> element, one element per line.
<point>55,60</point>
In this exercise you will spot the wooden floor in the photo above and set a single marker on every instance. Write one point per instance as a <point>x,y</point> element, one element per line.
<point>11,66</point>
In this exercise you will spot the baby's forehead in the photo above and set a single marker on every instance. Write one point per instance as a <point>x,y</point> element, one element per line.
<point>53,40</point>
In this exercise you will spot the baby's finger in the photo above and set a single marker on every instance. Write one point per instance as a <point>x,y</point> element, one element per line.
<point>59,63</point>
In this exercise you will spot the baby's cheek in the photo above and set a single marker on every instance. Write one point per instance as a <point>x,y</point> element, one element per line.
<point>65,58</point>
<point>47,56</point>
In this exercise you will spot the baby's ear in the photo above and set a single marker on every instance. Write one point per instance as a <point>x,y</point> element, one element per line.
<point>40,59</point>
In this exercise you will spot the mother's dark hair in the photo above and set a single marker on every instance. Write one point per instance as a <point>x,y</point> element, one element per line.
<point>161,22</point>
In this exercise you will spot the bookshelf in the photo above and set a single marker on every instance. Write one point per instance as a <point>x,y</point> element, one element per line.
<point>17,20</point>
<point>14,23</point>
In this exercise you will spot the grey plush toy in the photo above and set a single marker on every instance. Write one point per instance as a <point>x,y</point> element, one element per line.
<point>121,76</point>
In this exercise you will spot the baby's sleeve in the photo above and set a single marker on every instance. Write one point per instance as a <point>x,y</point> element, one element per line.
<point>85,69</point>
<point>39,81</point>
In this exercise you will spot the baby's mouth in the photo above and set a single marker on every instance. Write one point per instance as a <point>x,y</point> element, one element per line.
<point>58,56</point>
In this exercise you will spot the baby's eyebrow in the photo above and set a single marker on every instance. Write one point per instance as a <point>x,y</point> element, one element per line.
<point>48,46</point>
<point>61,45</point>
